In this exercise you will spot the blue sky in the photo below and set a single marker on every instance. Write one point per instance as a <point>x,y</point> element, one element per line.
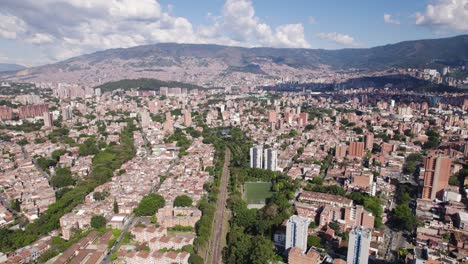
<point>38,32</point>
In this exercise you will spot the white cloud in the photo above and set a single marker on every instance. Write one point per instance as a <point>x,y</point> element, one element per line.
<point>65,28</point>
<point>445,15</point>
<point>312,20</point>
<point>11,26</point>
<point>291,35</point>
<point>40,38</point>
<point>390,20</point>
<point>240,22</point>
<point>342,39</point>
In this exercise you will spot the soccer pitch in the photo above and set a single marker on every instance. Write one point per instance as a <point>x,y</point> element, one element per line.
<point>257,192</point>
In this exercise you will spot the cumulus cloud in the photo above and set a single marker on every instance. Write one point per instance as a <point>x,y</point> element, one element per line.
<point>242,25</point>
<point>65,28</point>
<point>11,26</point>
<point>342,39</point>
<point>390,20</point>
<point>445,15</point>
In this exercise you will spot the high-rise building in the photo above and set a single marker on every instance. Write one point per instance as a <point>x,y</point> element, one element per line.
<point>296,232</point>
<point>369,141</point>
<point>256,157</point>
<point>340,150</point>
<point>270,159</point>
<point>187,118</point>
<point>145,119</point>
<point>67,113</point>
<point>33,110</point>
<point>272,117</point>
<point>359,244</point>
<point>436,176</point>
<point>6,113</point>
<point>163,91</point>
<point>356,149</point>
<point>97,92</point>
<point>48,120</point>
<point>302,119</point>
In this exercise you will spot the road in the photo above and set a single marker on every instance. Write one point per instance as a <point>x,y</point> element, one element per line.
<point>215,246</point>
<point>116,245</point>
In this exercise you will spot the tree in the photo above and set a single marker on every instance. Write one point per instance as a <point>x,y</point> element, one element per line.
<point>115,207</point>
<point>195,259</point>
<point>183,201</point>
<point>412,162</point>
<point>262,251</point>
<point>433,140</point>
<point>239,246</point>
<point>149,205</point>
<point>45,163</point>
<point>317,180</point>
<point>100,196</point>
<point>314,241</point>
<point>22,142</point>
<point>89,147</point>
<point>453,180</point>
<point>62,178</point>
<point>15,205</point>
<point>98,221</point>
<point>403,218</point>
<point>358,130</point>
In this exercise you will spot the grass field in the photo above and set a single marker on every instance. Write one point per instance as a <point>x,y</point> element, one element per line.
<point>257,192</point>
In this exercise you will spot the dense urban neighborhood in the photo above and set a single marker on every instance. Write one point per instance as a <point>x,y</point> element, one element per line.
<point>239,175</point>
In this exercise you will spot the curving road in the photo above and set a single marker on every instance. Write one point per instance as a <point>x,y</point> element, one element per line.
<point>216,244</point>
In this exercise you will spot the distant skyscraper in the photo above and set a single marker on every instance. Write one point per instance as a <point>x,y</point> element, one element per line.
<point>270,159</point>
<point>48,121</point>
<point>256,157</point>
<point>97,92</point>
<point>187,118</point>
<point>436,176</point>
<point>358,247</point>
<point>145,119</point>
<point>302,120</point>
<point>67,113</point>
<point>296,232</point>
<point>163,91</point>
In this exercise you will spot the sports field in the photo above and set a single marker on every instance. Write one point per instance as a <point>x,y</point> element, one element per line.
<point>257,192</point>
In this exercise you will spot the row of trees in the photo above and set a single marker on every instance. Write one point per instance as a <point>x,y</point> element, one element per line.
<point>208,204</point>
<point>403,217</point>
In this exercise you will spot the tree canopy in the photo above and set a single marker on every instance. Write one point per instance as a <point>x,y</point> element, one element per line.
<point>62,178</point>
<point>149,205</point>
<point>183,201</point>
<point>98,221</point>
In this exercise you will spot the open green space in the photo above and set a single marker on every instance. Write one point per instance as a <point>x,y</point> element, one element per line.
<point>257,192</point>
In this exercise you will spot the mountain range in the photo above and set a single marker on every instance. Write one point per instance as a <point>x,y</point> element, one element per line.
<point>8,67</point>
<point>207,64</point>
